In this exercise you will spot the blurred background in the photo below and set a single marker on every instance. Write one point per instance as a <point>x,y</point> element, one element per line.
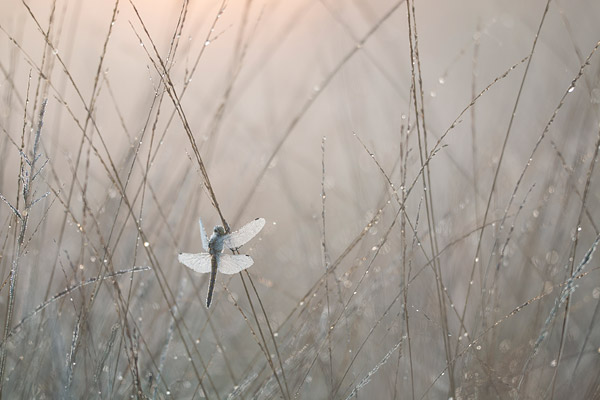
<point>426,170</point>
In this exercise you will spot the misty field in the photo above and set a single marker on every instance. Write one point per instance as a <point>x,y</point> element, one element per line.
<point>426,170</point>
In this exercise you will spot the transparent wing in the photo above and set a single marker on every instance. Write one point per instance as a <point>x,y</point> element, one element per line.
<point>203,235</point>
<point>242,236</point>
<point>199,262</point>
<point>232,264</point>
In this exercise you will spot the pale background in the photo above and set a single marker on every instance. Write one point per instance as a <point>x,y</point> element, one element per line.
<point>251,91</point>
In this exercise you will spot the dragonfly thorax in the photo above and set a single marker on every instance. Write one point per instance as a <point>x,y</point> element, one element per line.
<point>215,244</point>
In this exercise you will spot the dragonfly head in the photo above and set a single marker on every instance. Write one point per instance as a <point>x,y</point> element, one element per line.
<point>219,230</point>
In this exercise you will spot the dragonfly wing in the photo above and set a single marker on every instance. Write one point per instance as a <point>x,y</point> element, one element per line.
<point>203,235</point>
<point>232,264</point>
<point>199,262</point>
<point>242,236</point>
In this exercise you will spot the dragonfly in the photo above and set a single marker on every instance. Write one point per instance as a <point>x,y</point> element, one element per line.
<point>214,259</point>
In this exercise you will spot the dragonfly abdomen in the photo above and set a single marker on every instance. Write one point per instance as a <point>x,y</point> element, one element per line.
<point>213,278</point>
